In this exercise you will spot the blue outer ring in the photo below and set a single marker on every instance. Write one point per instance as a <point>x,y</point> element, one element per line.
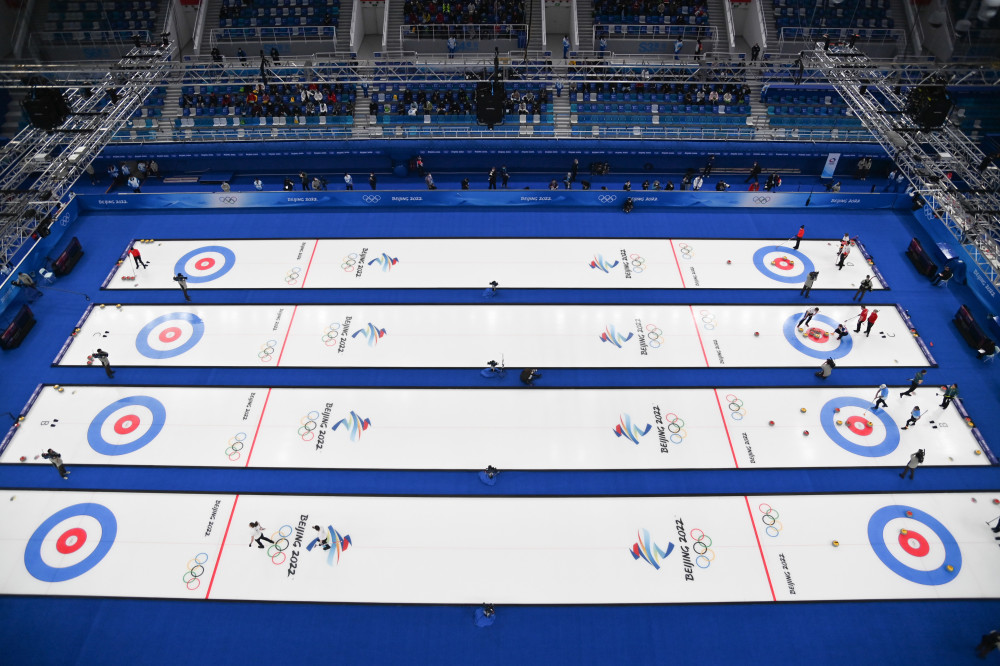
<point>792,335</point>
<point>827,418</point>
<point>33,551</point>
<point>807,265</point>
<point>104,447</point>
<point>952,553</point>
<point>226,253</point>
<point>196,323</point>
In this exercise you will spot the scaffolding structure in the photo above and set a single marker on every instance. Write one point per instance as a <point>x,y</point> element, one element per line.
<point>38,168</point>
<point>947,171</point>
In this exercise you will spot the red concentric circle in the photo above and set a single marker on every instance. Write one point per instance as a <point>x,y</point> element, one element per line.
<point>126,424</point>
<point>914,543</point>
<point>71,541</point>
<point>169,334</point>
<point>204,263</point>
<point>859,426</point>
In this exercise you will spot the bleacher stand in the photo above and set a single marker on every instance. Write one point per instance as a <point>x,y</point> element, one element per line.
<point>274,104</point>
<point>454,103</point>
<point>811,18</point>
<point>443,12</point>
<point>279,13</point>
<point>795,106</point>
<point>649,102</point>
<point>74,21</point>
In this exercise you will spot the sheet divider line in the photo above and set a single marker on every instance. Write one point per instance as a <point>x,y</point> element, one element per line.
<point>753,524</point>
<point>678,264</point>
<point>700,342</point>
<point>259,422</point>
<point>288,332</point>
<point>309,265</point>
<point>218,558</point>
<point>725,425</point>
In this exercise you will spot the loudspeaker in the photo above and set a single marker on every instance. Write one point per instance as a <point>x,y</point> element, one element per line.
<point>490,98</point>
<point>929,106</point>
<point>46,108</point>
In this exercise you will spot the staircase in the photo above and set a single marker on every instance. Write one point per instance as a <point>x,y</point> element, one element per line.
<point>717,19</point>
<point>757,107</point>
<point>344,27</point>
<point>171,111</point>
<point>585,21</point>
<point>535,26</point>
<point>212,22</point>
<point>560,105</point>
<point>395,8</point>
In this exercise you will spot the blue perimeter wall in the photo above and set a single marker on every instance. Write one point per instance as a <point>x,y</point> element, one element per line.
<point>465,154</point>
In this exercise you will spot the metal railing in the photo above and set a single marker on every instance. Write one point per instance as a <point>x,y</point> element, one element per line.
<point>762,22</point>
<point>689,33</point>
<point>273,34</point>
<point>794,38</point>
<point>730,27</point>
<point>464,31</point>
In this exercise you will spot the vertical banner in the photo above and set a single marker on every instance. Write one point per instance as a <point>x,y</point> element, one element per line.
<point>831,165</point>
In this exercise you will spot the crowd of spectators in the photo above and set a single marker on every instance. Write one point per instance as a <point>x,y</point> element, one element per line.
<point>459,102</point>
<point>443,12</point>
<point>299,99</point>
<point>321,13</point>
<point>705,94</point>
<point>673,12</point>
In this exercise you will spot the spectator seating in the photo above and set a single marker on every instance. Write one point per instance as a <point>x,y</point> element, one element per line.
<point>812,17</point>
<point>649,13</point>
<point>443,12</point>
<point>279,13</point>
<point>798,107</point>
<point>278,104</point>
<point>976,110</point>
<point>651,104</point>
<point>95,22</point>
<point>454,104</point>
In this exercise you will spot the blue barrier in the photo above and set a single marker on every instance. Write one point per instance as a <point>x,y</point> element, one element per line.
<point>455,155</point>
<point>32,256</point>
<point>460,198</point>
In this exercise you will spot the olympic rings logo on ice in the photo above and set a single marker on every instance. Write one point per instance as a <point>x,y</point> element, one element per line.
<point>629,430</point>
<point>638,263</point>
<point>607,198</point>
<point>761,200</point>
<point>675,428</point>
<point>371,198</point>
<point>704,555</point>
<point>292,276</point>
<point>654,336</point>
<point>708,320</point>
<point>687,252</point>
<point>266,352</point>
<point>772,526</point>
<point>308,423</point>
<point>648,550</point>
<point>195,568</point>
<point>277,549</point>
<point>331,334</point>
<point>235,445</point>
<point>736,409</point>
<point>349,262</point>
<point>228,200</point>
